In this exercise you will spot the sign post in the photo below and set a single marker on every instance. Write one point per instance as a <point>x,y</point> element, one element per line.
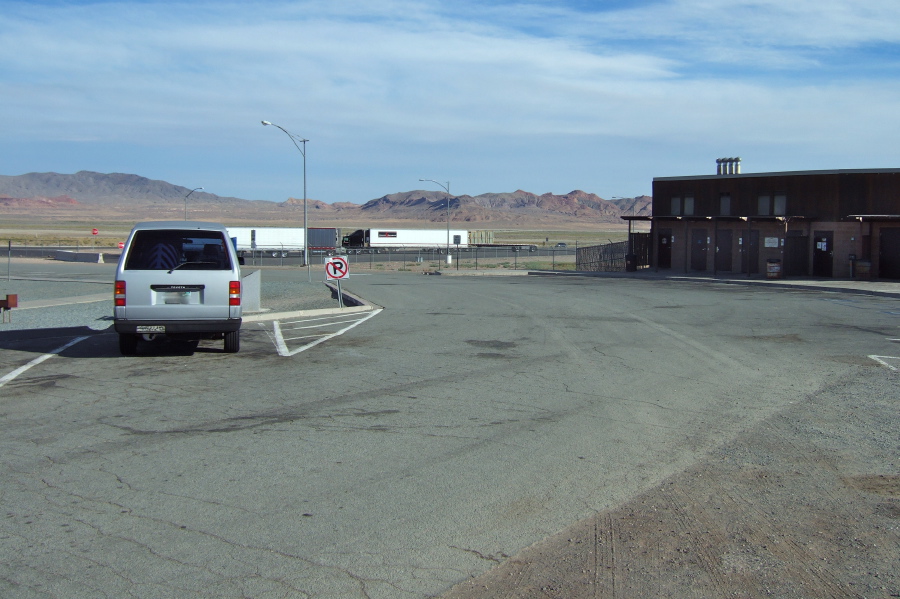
<point>337,268</point>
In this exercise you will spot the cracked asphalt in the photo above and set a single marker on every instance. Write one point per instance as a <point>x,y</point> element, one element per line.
<point>474,419</point>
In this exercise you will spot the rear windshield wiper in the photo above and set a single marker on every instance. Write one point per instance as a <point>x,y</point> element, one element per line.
<point>194,262</point>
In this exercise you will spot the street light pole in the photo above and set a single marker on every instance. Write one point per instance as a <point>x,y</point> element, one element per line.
<point>447,189</point>
<point>185,200</point>
<point>302,150</point>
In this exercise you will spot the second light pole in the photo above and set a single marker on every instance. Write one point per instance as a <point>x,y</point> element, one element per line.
<point>185,200</point>
<point>447,189</point>
<point>303,141</point>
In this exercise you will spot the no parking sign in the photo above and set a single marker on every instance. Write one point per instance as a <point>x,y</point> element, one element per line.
<point>337,267</point>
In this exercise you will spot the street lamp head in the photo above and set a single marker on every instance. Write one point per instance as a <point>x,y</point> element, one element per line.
<point>266,123</point>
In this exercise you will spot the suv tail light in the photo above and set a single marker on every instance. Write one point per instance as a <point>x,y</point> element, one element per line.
<point>234,293</point>
<point>119,293</point>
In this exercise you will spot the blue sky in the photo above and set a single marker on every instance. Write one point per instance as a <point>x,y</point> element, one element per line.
<point>545,96</point>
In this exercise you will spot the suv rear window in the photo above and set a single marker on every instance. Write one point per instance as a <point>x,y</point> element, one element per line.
<point>170,249</point>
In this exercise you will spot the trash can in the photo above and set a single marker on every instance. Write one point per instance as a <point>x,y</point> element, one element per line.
<point>773,268</point>
<point>863,270</point>
<point>630,262</point>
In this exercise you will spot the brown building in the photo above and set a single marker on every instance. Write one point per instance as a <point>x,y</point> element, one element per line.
<point>842,223</point>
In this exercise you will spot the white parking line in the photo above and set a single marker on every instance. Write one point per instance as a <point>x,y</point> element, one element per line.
<point>335,318</point>
<point>281,341</point>
<point>883,361</point>
<point>12,375</point>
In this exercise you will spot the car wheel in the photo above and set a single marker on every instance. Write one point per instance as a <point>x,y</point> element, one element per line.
<point>233,341</point>
<point>128,344</point>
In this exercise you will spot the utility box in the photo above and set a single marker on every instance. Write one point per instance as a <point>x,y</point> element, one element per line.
<point>630,262</point>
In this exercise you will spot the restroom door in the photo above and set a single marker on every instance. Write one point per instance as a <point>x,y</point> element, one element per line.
<point>823,254</point>
<point>723,251</point>
<point>750,253</point>
<point>889,253</point>
<point>664,249</point>
<point>699,249</point>
<point>796,256</point>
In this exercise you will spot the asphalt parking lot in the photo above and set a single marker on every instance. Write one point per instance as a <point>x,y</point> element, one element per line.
<point>439,445</point>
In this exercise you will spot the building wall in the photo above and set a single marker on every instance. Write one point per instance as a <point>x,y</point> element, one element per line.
<point>812,202</point>
<point>828,196</point>
<point>848,239</point>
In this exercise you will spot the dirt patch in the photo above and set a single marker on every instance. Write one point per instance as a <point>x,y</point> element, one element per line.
<point>881,484</point>
<point>803,505</point>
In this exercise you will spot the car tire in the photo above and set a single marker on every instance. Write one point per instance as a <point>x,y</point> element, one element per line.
<point>233,341</point>
<point>128,344</point>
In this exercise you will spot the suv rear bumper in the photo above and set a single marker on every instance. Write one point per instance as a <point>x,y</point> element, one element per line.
<point>180,326</point>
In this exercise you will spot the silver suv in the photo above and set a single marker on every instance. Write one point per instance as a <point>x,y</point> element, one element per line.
<point>180,279</point>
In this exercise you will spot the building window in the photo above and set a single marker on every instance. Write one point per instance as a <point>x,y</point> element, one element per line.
<point>689,205</point>
<point>780,207</point>
<point>676,206</point>
<point>764,206</point>
<point>725,204</point>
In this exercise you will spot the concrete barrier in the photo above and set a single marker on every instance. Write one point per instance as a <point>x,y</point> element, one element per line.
<point>251,291</point>
<point>70,256</point>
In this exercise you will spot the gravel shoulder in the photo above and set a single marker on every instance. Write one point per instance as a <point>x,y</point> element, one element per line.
<point>806,504</point>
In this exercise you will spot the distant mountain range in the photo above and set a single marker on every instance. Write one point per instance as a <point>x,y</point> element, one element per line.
<point>133,196</point>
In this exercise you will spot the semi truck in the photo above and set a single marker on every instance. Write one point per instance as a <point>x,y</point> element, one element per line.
<point>485,239</point>
<point>382,240</point>
<point>325,240</point>
<point>282,241</point>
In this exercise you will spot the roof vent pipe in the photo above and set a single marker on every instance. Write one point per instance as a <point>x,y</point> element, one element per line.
<point>728,166</point>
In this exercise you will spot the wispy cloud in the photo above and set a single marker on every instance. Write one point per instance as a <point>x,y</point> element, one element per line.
<point>539,95</point>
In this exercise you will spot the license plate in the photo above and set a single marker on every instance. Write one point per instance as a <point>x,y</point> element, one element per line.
<point>153,328</point>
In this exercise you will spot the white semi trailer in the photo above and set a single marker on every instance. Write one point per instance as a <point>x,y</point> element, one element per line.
<point>277,241</point>
<point>396,239</point>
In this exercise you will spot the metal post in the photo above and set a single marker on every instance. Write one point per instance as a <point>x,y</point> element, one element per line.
<point>302,150</point>
<point>447,189</point>
<point>185,200</point>
<point>306,220</point>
